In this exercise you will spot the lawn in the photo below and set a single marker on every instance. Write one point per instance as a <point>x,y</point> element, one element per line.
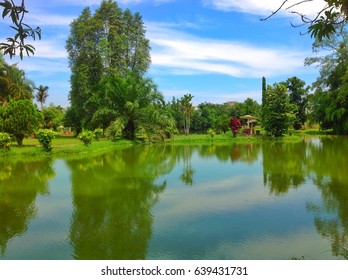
<point>68,145</point>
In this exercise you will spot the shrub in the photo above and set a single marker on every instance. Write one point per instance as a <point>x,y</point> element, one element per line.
<point>114,131</point>
<point>45,137</point>
<point>5,141</point>
<point>19,118</point>
<point>211,132</point>
<point>98,133</point>
<point>235,125</point>
<point>86,137</point>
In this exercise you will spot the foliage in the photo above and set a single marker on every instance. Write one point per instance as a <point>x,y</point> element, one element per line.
<point>13,83</point>
<point>327,20</point>
<point>41,95</point>
<point>114,131</point>
<point>298,97</point>
<point>329,102</point>
<point>86,137</point>
<point>278,111</point>
<point>5,140</point>
<point>19,118</point>
<point>158,124</point>
<point>23,30</point>
<point>72,120</point>
<point>98,133</point>
<point>45,137</point>
<point>264,90</point>
<point>235,125</point>
<point>209,115</point>
<point>53,117</point>
<point>187,110</point>
<point>132,99</point>
<point>211,132</point>
<point>109,43</point>
<point>248,107</point>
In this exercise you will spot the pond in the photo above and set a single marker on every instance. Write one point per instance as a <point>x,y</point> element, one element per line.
<point>237,201</point>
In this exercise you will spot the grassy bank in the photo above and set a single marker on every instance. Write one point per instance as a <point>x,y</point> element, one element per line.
<point>68,145</point>
<point>61,146</point>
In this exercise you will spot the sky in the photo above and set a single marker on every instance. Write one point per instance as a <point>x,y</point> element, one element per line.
<point>215,50</point>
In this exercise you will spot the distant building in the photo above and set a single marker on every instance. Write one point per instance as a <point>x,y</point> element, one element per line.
<point>231,103</point>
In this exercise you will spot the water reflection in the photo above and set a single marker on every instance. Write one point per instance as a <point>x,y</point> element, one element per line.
<point>284,166</point>
<point>289,166</point>
<point>20,184</point>
<point>327,162</point>
<point>250,200</point>
<point>113,195</point>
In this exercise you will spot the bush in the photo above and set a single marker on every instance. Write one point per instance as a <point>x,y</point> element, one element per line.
<point>235,126</point>
<point>98,133</point>
<point>45,137</point>
<point>5,141</point>
<point>211,132</point>
<point>86,137</point>
<point>114,131</point>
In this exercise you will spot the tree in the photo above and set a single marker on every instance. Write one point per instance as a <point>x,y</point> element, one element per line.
<point>13,83</point>
<point>187,110</point>
<point>23,31</point>
<point>278,112</point>
<point>131,99</point>
<point>53,117</point>
<point>248,107</point>
<point>328,105</point>
<point>235,126</point>
<point>298,96</point>
<point>264,89</point>
<point>327,20</point>
<point>19,118</point>
<point>211,116</point>
<point>41,95</point>
<point>110,42</point>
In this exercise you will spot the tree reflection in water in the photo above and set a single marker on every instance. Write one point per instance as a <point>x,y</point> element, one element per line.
<point>113,195</point>
<point>20,184</point>
<point>288,166</point>
<point>331,218</point>
<point>284,166</point>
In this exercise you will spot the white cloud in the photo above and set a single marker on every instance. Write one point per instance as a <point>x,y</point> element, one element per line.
<point>41,19</point>
<point>265,7</point>
<point>176,50</point>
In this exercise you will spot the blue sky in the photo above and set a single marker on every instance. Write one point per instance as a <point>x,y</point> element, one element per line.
<point>216,50</point>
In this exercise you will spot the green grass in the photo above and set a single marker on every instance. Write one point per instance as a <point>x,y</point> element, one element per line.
<point>61,146</point>
<point>67,145</point>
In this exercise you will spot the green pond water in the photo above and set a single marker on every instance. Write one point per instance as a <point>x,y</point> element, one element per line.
<point>246,201</point>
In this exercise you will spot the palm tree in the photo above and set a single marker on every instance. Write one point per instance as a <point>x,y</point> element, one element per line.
<point>13,83</point>
<point>41,95</point>
<point>187,110</point>
<point>130,99</point>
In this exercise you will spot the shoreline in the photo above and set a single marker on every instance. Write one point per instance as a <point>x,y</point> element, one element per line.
<point>64,146</point>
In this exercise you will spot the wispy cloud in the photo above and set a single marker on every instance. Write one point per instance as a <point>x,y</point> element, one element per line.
<point>265,7</point>
<point>175,50</point>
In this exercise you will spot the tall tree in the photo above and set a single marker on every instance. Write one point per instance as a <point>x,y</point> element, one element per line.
<point>298,96</point>
<point>41,95</point>
<point>187,110</point>
<point>109,43</point>
<point>328,105</point>
<point>278,111</point>
<point>264,89</point>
